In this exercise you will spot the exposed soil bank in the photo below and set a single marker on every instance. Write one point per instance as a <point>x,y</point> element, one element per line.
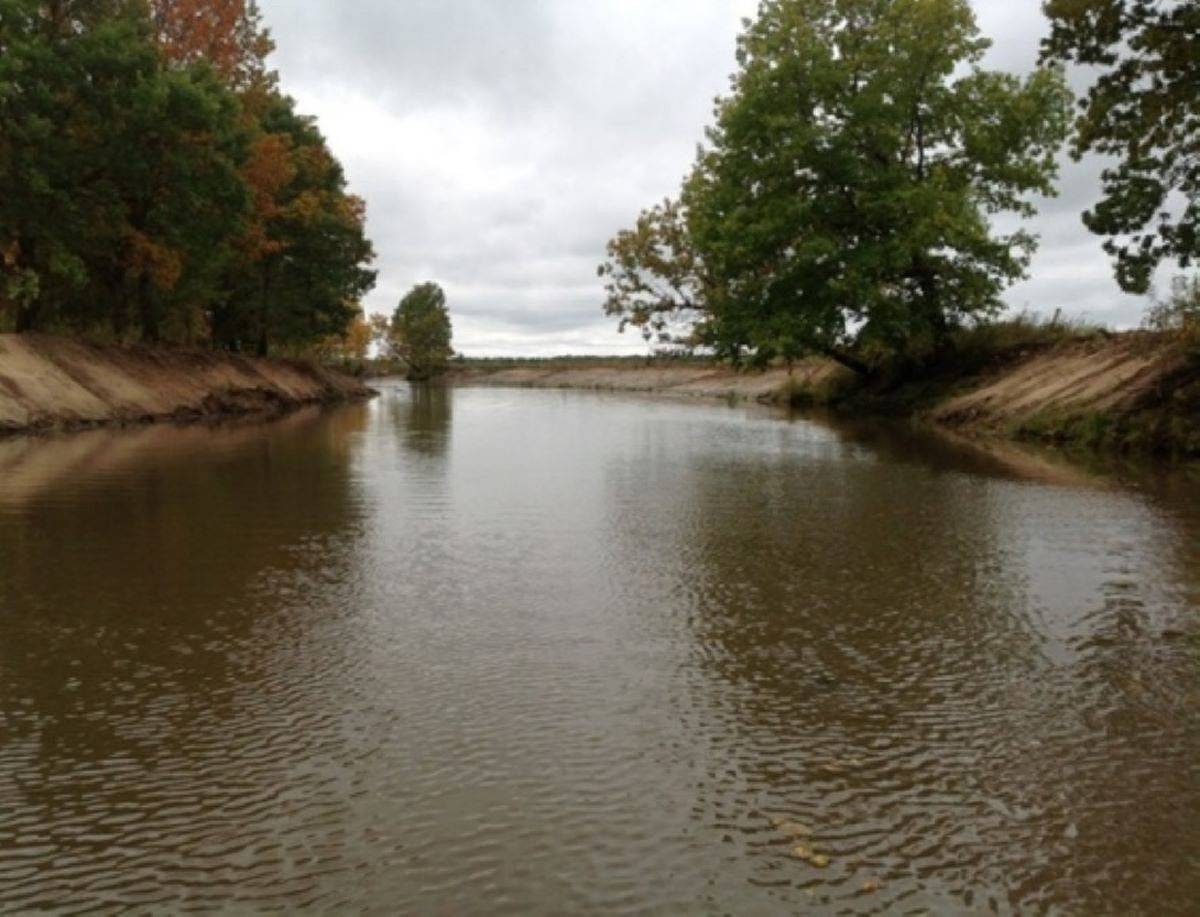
<point>695,380</point>
<point>1131,391</point>
<point>54,383</point>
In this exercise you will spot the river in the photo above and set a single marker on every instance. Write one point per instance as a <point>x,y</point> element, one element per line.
<point>502,651</point>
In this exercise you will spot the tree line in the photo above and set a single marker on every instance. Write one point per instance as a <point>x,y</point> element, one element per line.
<point>157,185</point>
<point>845,199</point>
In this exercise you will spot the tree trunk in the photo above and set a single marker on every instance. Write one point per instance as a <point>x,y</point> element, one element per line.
<point>148,311</point>
<point>263,347</point>
<point>845,359</point>
<point>114,287</point>
<point>927,281</point>
<point>28,310</point>
<point>27,317</point>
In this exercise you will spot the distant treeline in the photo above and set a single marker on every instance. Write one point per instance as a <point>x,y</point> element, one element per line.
<point>156,184</point>
<point>846,199</point>
<point>576,361</point>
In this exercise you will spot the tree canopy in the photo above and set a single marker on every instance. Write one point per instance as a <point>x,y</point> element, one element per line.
<point>421,331</point>
<point>1144,110</point>
<point>155,184</point>
<point>843,199</point>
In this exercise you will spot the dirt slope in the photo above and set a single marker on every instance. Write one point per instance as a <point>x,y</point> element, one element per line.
<point>57,383</point>
<point>1115,376</point>
<point>692,380</point>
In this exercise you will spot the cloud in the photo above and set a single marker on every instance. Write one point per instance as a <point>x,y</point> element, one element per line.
<point>500,143</point>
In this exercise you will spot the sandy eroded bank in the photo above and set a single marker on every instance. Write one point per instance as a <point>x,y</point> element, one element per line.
<point>49,383</point>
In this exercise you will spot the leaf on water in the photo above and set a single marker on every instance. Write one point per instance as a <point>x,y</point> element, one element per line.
<point>871,885</point>
<point>802,852</point>
<point>819,860</point>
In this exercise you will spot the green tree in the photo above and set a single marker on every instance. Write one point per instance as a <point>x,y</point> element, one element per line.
<point>63,67</point>
<point>120,178</point>
<point>842,201</point>
<point>421,331</point>
<point>175,165</point>
<point>1143,110</point>
<point>153,181</point>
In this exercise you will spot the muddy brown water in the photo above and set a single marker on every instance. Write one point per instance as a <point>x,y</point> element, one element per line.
<point>496,651</point>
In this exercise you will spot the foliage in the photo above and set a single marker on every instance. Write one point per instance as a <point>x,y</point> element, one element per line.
<point>655,278</point>
<point>350,349</point>
<point>155,184</point>
<point>1142,110</point>
<point>420,331</point>
<point>902,383</point>
<point>225,34</point>
<point>843,198</point>
<point>1179,314</point>
<point>980,345</point>
<point>301,259</point>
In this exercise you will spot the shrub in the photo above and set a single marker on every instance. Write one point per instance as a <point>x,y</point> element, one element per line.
<point>1178,316</point>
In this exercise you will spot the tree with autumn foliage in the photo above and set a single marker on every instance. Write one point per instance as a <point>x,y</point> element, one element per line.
<point>299,272</point>
<point>155,184</point>
<point>227,35</point>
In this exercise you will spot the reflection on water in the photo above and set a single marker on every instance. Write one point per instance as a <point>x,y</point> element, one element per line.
<point>480,651</point>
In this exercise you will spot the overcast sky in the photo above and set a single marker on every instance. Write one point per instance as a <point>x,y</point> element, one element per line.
<point>500,143</point>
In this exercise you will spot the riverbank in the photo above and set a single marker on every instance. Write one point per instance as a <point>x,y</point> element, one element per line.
<point>693,379</point>
<point>54,383</point>
<point>1132,392</point>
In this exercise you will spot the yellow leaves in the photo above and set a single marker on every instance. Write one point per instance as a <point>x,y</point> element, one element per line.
<point>358,336</point>
<point>794,828</point>
<point>10,254</point>
<point>803,851</point>
<point>354,343</point>
<point>307,206</point>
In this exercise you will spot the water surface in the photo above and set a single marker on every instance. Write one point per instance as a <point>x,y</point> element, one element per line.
<point>489,651</point>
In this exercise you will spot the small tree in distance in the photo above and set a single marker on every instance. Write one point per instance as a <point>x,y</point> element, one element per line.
<point>421,331</point>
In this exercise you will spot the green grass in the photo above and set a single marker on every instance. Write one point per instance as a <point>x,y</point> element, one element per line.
<point>1170,429</point>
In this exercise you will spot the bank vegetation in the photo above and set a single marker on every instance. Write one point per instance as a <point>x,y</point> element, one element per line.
<point>858,202</point>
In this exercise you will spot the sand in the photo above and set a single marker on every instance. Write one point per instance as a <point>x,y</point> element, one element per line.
<point>54,383</point>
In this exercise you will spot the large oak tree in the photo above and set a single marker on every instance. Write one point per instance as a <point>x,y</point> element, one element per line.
<point>844,199</point>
